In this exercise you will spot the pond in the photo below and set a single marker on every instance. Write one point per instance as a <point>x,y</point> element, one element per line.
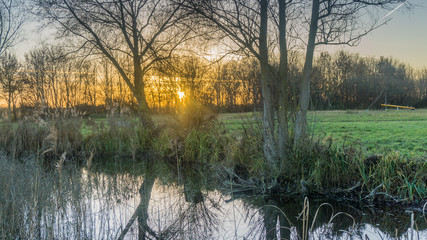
<point>163,201</point>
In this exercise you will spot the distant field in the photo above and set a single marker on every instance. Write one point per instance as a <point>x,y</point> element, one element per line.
<point>374,131</point>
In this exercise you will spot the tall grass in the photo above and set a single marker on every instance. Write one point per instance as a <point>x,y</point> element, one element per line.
<point>119,136</point>
<point>27,137</point>
<point>394,177</point>
<point>196,137</point>
<point>320,167</point>
<point>24,137</point>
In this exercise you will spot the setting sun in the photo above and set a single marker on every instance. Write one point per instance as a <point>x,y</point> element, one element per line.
<point>181,95</point>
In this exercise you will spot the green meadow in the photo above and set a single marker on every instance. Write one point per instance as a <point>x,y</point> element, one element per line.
<point>375,132</point>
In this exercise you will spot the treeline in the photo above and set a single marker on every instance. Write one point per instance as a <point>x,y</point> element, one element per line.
<point>348,81</point>
<point>51,81</point>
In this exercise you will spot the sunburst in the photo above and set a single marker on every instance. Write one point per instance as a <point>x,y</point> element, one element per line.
<point>181,95</point>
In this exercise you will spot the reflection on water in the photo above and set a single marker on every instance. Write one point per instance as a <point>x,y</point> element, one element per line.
<point>189,207</point>
<point>160,202</point>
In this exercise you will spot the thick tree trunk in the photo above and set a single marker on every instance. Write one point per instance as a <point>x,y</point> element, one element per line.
<point>304,100</point>
<point>270,151</point>
<point>282,104</point>
<point>143,110</point>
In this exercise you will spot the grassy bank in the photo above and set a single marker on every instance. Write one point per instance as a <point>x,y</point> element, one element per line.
<point>376,132</point>
<point>337,160</point>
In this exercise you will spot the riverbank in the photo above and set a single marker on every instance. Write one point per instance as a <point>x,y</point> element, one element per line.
<point>322,167</point>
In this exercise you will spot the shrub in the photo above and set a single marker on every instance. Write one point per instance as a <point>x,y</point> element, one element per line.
<point>206,146</point>
<point>121,136</point>
<point>394,176</point>
<point>248,155</point>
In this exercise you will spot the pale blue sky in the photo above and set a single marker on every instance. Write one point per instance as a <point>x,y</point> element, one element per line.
<point>404,38</point>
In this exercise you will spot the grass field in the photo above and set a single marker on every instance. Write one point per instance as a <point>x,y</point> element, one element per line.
<point>377,132</point>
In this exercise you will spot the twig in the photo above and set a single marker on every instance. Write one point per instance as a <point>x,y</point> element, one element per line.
<point>372,194</point>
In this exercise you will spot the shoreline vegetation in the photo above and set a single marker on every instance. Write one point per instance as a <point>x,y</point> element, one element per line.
<point>61,177</point>
<point>231,145</point>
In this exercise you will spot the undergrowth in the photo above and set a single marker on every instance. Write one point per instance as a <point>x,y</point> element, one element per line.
<point>46,140</point>
<point>196,137</point>
<point>318,166</point>
<point>119,136</point>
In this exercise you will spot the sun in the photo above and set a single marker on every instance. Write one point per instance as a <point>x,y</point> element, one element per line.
<point>181,95</point>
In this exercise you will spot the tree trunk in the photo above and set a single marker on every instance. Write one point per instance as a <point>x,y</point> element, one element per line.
<point>267,91</point>
<point>282,104</point>
<point>15,115</point>
<point>301,119</point>
<point>140,97</point>
<point>9,105</point>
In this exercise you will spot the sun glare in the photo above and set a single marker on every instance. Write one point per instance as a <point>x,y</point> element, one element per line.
<point>181,95</point>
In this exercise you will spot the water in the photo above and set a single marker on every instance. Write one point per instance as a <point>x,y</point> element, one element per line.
<point>189,206</point>
<point>171,202</point>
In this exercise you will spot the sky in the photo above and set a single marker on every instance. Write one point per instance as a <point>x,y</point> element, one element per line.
<point>404,38</point>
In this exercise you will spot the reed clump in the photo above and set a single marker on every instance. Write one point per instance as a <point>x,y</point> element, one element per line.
<point>22,138</point>
<point>323,166</point>
<point>248,154</point>
<point>119,136</point>
<point>393,176</point>
<point>195,136</point>
<point>47,140</point>
<point>320,167</point>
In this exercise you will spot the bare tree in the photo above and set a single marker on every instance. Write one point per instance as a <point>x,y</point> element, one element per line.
<point>191,70</point>
<point>10,81</point>
<point>12,18</point>
<point>36,65</point>
<point>131,34</point>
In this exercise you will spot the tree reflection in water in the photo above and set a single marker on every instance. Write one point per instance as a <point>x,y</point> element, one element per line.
<point>195,215</point>
<point>148,199</point>
<point>194,208</point>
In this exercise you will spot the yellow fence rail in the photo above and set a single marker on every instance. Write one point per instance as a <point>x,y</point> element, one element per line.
<point>397,106</point>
